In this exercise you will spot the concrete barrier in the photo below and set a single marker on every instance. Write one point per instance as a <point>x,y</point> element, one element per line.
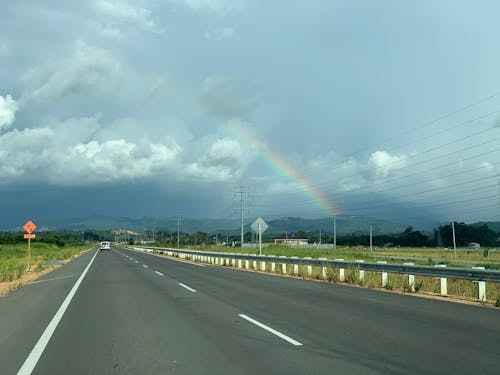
<point>481,287</point>
<point>361,272</point>
<point>411,279</point>
<point>384,275</point>
<point>341,271</point>
<point>309,268</point>
<point>444,282</point>
<point>295,267</point>
<point>283,266</point>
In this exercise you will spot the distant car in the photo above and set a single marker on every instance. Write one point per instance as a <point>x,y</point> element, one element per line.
<point>105,245</point>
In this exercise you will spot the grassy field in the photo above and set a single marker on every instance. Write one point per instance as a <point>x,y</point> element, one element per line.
<point>14,258</point>
<point>428,256</point>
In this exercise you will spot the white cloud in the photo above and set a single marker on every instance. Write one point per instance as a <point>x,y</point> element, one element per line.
<point>219,34</point>
<point>25,152</point>
<point>123,13</point>
<point>85,68</point>
<point>382,162</point>
<point>113,160</point>
<point>223,162</point>
<point>8,109</point>
<point>221,6</point>
<point>70,153</point>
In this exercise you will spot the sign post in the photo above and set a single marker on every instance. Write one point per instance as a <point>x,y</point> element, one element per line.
<point>259,226</point>
<point>29,227</point>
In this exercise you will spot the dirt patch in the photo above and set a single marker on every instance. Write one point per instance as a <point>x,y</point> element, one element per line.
<point>35,273</point>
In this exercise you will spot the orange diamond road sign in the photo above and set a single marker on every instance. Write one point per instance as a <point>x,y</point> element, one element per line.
<point>29,226</point>
<point>30,235</point>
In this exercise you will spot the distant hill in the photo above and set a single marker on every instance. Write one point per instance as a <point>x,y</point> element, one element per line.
<point>345,224</point>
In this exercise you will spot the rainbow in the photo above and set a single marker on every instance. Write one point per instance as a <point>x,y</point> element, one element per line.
<point>279,164</point>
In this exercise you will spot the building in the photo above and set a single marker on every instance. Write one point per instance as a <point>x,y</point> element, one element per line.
<point>291,241</point>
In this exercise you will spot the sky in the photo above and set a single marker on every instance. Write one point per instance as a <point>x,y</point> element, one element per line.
<point>385,109</point>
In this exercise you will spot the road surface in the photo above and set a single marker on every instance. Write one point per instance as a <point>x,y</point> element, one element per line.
<point>137,313</point>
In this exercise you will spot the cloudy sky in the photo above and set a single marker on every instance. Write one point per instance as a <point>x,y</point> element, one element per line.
<point>388,109</point>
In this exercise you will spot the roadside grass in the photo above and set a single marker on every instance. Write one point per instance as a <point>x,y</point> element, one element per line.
<point>428,256</point>
<point>14,258</point>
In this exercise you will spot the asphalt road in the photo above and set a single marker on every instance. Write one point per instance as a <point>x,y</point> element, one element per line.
<point>137,313</point>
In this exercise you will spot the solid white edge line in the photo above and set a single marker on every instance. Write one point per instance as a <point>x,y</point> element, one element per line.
<point>272,330</point>
<point>159,273</point>
<point>145,266</point>
<point>30,362</point>
<point>188,288</point>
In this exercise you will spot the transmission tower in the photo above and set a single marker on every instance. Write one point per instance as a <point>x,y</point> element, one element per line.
<point>242,195</point>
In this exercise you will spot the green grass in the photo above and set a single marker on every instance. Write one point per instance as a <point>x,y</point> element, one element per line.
<point>14,258</point>
<point>430,256</point>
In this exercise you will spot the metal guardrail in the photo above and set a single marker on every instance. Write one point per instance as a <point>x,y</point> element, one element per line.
<point>451,272</point>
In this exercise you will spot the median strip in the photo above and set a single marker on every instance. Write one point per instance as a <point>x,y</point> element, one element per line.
<point>188,288</point>
<point>269,329</point>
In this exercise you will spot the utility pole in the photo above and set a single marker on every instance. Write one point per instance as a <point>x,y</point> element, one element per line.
<point>179,219</point>
<point>320,236</point>
<point>454,241</point>
<point>371,239</point>
<point>242,195</point>
<point>154,238</point>
<point>334,229</point>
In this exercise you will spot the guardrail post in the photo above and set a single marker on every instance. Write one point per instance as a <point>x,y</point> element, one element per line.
<point>481,287</point>
<point>309,268</point>
<point>273,265</point>
<point>323,270</point>
<point>384,275</point>
<point>247,264</point>
<point>233,262</point>
<point>411,279</point>
<point>341,271</point>
<point>263,266</point>
<point>283,266</point>
<point>295,267</point>
<point>444,282</point>
<point>254,264</point>
<point>361,272</point>
<point>239,263</point>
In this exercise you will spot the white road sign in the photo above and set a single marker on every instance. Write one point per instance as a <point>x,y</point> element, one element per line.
<point>263,225</point>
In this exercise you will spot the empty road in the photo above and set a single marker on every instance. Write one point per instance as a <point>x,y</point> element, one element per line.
<point>125,312</point>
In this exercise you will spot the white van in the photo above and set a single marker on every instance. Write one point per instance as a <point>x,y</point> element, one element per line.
<point>105,245</point>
